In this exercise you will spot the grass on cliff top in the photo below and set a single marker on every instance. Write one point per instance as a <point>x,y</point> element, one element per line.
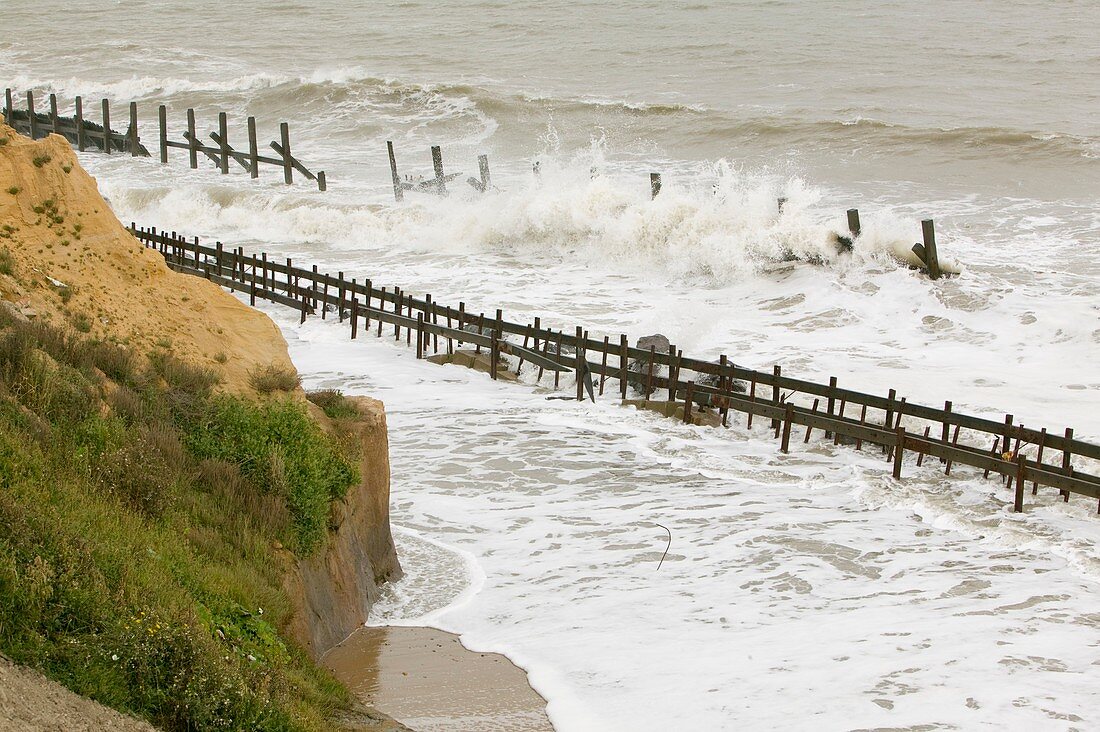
<point>140,511</point>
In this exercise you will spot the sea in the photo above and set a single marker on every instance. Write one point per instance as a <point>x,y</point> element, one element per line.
<point>650,575</point>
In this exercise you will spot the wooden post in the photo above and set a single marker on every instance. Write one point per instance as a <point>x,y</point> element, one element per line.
<point>580,364</point>
<point>862,420</point>
<point>603,365</point>
<point>481,329</point>
<point>810,427</point>
<point>437,166</point>
<point>788,418</point>
<point>162,118</point>
<point>725,384</point>
<point>945,427</point>
<point>752,400</point>
<point>899,451</point>
<point>80,139</point>
<point>53,114</point>
<point>253,150</point>
<point>1039,458</point>
<point>420,338</point>
<point>776,372</point>
<point>252,293</point>
<point>192,140</point>
<point>483,169</point>
<point>831,403</point>
<point>398,191</point>
<point>954,441</point>
<point>381,307</point>
<point>324,298</point>
<point>106,126</point>
<point>654,185</point>
<point>223,133</point>
<point>1066,452</point>
<point>782,202</point>
<point>992,453</point>
<point>355,315</point>
<point>288,164</point>
<point>494,354</point>
<point>32,118</point>
<point>9,115</point>
<point>931,256</point>
<point>920,454</point>
<point>853,222</point>
<point>1018,500</point>
<point>322,182</point>
<point>687,401</point>
<point>397,311</point>
<point>624,344</point>
<point>132,133</point>
<point>649,372</point>
<point>366,301</point>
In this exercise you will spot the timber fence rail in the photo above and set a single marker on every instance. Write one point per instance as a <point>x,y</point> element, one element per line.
<point>842,415</point>
<point>85,135</point>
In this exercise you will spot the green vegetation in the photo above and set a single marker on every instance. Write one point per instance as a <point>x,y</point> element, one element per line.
<point>14,190</point>
<point>41,160</point>
<point>334,403</point>
<point>140,511</point>
<point>7,263</point>
<point>270,379</point>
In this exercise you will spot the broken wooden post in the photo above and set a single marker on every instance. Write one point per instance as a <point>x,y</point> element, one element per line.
<point>603,364</point>
<point>831,403</point>
<point>223,143</point>
<point>809,426</point>
<point>9,112</point>
<point>53,115</point>
<point>192,140</point>
<point>132,133</point>
<point>1066,452</point>
<point>322,181</point>
<point>79,119</point>
<point>654,185</point>
<point>932,260</point>
<point>481,186</point>
<point>288,161</point>
<point>355,315</point>
<point>162,119</point>
<point>782,202</point>
<point>398,191</point>
<point>687,401</point>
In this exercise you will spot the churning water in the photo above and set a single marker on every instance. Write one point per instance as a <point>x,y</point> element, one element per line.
<point>805,591</point>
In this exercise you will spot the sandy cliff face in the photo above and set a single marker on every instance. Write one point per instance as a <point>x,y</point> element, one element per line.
<point>70,260</point>
<point>335,588</point>
<point>74,261</point>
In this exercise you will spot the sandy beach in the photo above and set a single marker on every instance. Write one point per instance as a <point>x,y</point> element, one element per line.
<point>428,680</point>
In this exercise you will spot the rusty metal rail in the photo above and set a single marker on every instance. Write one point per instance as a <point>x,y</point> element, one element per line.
<point>898,426</point>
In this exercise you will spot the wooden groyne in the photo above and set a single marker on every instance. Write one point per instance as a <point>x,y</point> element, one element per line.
<point>904,430</point>
<point>86,135</point>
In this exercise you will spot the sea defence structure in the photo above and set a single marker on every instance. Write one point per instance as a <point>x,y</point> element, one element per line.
<point>86,135</point>
<point>904,430</point>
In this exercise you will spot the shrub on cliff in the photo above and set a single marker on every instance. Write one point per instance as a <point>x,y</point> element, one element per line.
<point>282,451</point>
<point>139,513</point>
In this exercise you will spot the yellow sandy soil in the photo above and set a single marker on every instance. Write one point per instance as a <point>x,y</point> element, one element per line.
<point>115,289</point>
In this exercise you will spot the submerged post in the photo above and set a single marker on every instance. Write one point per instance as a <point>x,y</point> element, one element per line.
<point>782,202</point>
<point>437,166</point>
<point>483,170</point>
<point>654,185</point>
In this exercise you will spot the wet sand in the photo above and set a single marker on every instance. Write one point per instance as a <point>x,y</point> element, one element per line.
<point>428,680</point>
